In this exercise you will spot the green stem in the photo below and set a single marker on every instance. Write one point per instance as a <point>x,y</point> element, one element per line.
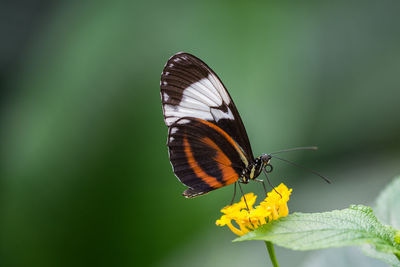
<point>398,256</point>
<point>271,252</point>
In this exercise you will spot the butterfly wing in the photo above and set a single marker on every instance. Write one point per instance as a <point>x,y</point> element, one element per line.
<point>204,157</point>
<point>208,144</point>
<point>189,88</point>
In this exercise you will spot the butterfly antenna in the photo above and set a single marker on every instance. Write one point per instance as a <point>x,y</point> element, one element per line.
<point>300,166</point>
<point>295,149</point>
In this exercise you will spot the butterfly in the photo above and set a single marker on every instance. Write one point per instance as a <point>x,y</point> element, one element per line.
<point>207,141</point>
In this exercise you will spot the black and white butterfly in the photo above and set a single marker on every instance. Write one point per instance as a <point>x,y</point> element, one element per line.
<point>207,141</point>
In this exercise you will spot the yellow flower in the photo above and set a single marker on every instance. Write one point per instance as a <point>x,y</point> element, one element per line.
<point>271,208</point>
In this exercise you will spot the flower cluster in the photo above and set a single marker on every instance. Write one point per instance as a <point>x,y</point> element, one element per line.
<point>248,218</point>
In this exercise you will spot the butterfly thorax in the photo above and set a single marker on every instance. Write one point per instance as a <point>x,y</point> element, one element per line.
<point>254,169</point>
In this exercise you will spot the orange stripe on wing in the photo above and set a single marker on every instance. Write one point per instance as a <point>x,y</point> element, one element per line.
<point>211,181</point>
<point>230,140</point>
<point>229,175</point>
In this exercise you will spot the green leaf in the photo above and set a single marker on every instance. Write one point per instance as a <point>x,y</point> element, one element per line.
<point>387,210</point>
<point>342,257</point>
<point>388,204</point>
<point>389,258</point>
<point>356,225</point>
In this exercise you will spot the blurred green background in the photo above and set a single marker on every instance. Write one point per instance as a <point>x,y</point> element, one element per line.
<point>85,178</point>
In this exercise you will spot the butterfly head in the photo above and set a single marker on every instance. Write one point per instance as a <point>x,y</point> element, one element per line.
<point>255,169</point>
<point>265,158</point>
<point>264,163</point>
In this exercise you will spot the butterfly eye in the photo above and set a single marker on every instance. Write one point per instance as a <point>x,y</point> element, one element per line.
<point>266,158</point>
<point>268,168</point>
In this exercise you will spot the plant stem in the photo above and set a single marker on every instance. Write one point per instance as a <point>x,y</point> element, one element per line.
<point>271,252</point>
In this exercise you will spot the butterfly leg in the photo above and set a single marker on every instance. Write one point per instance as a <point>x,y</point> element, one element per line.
<point>244,198</point>
<point>263,184</point>
<point>269,182</point>
<point>234,194</point>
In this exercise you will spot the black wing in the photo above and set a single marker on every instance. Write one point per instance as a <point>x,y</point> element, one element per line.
<point>189,88</point>
<point>203,156</point>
